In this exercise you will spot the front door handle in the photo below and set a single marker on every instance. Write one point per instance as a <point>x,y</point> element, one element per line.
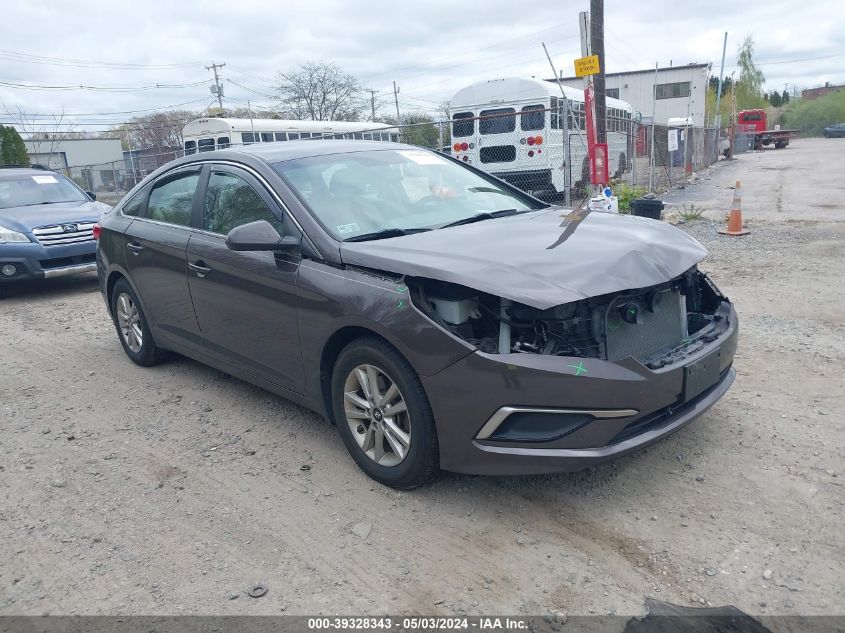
<point>199,268</point>
<point>135,248</point>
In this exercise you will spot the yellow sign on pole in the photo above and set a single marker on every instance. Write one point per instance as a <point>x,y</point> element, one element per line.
<point>587,66</point>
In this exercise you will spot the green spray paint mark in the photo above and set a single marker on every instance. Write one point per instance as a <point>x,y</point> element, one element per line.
<point>401,288</point>
<point>401,305</point>
<point>579,368</point>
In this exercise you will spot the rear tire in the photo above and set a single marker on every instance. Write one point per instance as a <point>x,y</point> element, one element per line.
<point>389,431</point>
<point>132,327</point>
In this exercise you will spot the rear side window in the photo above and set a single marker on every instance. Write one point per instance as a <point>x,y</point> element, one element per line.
<point>281,136</point>
<point>499,121</point>
<point>266,137</point>
<point>206,144</point>
<point>231,201</point>
<point>172,198</point>
<point>190,147</point>
<point>223,142</point>
<point>533,117</point>
<point>463,124</point>
<point>247,138</point>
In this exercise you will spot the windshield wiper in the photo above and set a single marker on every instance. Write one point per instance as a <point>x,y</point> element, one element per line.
<point>383,234</point>
<point>38,204</point>
<point>478,217</point>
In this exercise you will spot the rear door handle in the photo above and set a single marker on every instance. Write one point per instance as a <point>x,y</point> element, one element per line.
<point>199,268</point>
<point>135,248</point>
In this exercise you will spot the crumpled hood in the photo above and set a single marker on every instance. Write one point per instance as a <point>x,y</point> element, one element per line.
<point>541,259</point>
<point>24,219</point>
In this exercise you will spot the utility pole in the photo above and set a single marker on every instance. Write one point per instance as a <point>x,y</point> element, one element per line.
<point>218,89</point>
<point>396,100</point>
<point>373,103</point>
<point>563,121</point>
<point>597,48</point>
<point>653,117</point>
<point>719,91</point>
<point>732,135</point>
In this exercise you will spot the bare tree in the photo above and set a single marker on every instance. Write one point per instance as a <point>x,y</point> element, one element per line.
<point>43,135</point>
<point>320,91</point>
<point>160,131</point>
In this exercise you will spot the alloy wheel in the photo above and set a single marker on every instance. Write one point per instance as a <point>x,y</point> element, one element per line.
<point>129,322</point>
<point>377,415</point>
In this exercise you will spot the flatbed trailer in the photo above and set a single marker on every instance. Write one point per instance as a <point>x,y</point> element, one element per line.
<point>754,123</point>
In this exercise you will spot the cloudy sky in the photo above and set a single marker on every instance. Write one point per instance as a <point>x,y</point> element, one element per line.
<point>137,57</point>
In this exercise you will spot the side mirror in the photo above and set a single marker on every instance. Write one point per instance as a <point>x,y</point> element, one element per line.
<point>260,236</point>
<point>91,195</point>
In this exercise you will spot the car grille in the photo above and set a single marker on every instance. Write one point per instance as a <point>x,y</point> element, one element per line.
<point>59,233</point>
<point>657,330</point>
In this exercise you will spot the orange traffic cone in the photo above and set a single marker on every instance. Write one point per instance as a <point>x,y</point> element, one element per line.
<point>735,218</point>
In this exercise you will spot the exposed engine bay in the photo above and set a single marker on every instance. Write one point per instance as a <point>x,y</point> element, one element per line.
<point>658,325</point>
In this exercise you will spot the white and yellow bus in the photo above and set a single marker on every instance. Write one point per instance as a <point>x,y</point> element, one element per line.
<point>208,134</point>
<point>514,128</point>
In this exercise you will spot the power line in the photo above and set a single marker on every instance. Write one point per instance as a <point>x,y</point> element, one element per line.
<point>22,86</point>
<point>30,58</point>
<point>69,114</point>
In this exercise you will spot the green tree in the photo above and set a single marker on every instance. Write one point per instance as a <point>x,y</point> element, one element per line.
<point>12,148</point>
<point>749,86</point>
<point>785,97</point>
<point>775,99</point>
<point>420,130</point>
<point>811,116</point>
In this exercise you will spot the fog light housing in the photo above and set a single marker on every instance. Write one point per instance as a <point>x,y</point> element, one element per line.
<point>539,427</point>
<point>8,270</point>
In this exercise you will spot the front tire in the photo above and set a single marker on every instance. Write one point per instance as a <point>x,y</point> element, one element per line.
<point>383,415</point>
<point>132,327</point>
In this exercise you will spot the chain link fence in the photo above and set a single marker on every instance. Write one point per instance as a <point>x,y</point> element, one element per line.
<point>697,148</point>
<point>539,150</point>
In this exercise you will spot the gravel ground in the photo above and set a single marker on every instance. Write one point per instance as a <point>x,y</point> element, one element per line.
<point>172,490</point>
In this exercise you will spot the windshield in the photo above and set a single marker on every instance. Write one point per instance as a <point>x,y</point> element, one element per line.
<point>392,191</point>
<point>29,190</point>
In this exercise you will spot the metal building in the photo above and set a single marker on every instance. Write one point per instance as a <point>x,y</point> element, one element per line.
<point>679,91</point>
<point>94,162</point>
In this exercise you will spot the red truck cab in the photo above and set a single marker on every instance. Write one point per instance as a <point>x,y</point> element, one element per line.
<point>755,123</point>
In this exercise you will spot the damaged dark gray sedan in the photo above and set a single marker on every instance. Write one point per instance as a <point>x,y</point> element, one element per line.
<point>438,316</point>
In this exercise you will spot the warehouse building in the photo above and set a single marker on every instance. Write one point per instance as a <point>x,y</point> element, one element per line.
<point>676,92</point>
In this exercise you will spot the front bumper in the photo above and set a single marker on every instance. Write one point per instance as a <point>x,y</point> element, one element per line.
<point>632,406</point>
<point>34,261</point>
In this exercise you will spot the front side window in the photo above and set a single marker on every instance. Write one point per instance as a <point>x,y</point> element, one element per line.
<point>172,198</point>
<point>364,192</point>
<point>533,117</point>
<point>46,188</point>
<point>135,206</point>
<point>222,142</point>
<point>230,201</point>
<point>499,121</point>
<point>463,124</point>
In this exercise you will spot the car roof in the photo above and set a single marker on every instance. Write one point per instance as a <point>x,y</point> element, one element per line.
<point>7,172</point>
<point>291,150</point>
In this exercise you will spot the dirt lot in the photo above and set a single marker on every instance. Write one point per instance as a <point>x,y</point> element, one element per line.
<point>172,490</point>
